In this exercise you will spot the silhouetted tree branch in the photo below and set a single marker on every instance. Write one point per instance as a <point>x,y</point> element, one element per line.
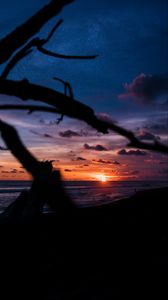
<point>30,108</point>
<point>35,42</point>
<point>72,108</point>
<point>46,187</point>
<point>13,142</point>
<point>68,91</point>
<point>17,38</point>
<point>67,87</point>
<point>58,55</point>
<point>38,44</point>
<point>64,104</point>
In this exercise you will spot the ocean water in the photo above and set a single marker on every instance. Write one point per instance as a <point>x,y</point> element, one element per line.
<point>84,193</point>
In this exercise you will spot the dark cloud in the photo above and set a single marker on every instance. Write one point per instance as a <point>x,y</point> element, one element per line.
<point>3,148</point>
<point>96,148</point>
<point>85,165</point>
<point>69,133</point>
<point>45,135</point>
<point>106,117</point>
<point>136,172</point>
<point>14,171</point>
<point>72,154</point>
<point>1,167</point>
<point>87,131</point>
<point>145,88</point>
<point>79,158</point>
<point>145,135</point>
<point>115,162</point>
<point>132,152</point>
<point>102,161</point>
<point>68,170</point>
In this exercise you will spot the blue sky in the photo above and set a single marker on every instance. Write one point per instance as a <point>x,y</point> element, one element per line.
<point>130,38</point>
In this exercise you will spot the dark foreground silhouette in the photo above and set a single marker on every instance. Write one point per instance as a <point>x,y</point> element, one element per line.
<point>115,251</point>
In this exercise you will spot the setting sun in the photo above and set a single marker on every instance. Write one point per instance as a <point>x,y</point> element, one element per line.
<point>101,178</point>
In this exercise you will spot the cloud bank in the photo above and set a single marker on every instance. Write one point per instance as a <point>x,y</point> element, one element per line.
<point>145,88</point>
<point>96,148</point>
<point>132,152</point>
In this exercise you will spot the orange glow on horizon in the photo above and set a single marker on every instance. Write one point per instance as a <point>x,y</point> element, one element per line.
<point>101,177</point>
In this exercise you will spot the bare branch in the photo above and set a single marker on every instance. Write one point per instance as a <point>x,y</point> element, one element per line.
<point>53,31</point>
<point>35,42</point>
<point>67,87</point>
<point>19,56</point>
<point>31,108</point>
<point>72,108</point>
<point>57,55</point>
<point>38,43</point>
<point>18,37</point>
<point>17,148</point>
<point>25,90</point>
<point>60,119</point>
<point>12,63</point>
<point>68,91</point>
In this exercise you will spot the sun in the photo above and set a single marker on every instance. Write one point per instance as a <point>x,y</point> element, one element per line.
<point>102,177</point>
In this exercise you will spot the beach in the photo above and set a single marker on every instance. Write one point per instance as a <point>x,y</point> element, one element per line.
<point>112,251</point>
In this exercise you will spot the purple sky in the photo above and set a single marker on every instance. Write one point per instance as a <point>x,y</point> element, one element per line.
<point>128,82</point>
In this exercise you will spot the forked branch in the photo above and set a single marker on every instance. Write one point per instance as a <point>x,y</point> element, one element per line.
<point>19,37</point>
<point>72,108</point>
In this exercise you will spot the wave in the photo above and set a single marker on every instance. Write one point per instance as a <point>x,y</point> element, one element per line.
<point>88,193</point>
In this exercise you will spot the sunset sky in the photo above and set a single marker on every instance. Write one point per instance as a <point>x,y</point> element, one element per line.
<point>126,83</point>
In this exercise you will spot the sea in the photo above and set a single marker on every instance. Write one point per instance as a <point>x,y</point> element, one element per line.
<point>83,193</point>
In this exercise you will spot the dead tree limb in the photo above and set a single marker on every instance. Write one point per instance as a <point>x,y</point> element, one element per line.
<point>64,56</point>
<point>27,49</point>
<point>19,37</point>
<point>17,148</point>
<point>30,108</point>
<point>65,104</point>
<point>72,108</point>
<point>38,44</point>
<point>68,91</point>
